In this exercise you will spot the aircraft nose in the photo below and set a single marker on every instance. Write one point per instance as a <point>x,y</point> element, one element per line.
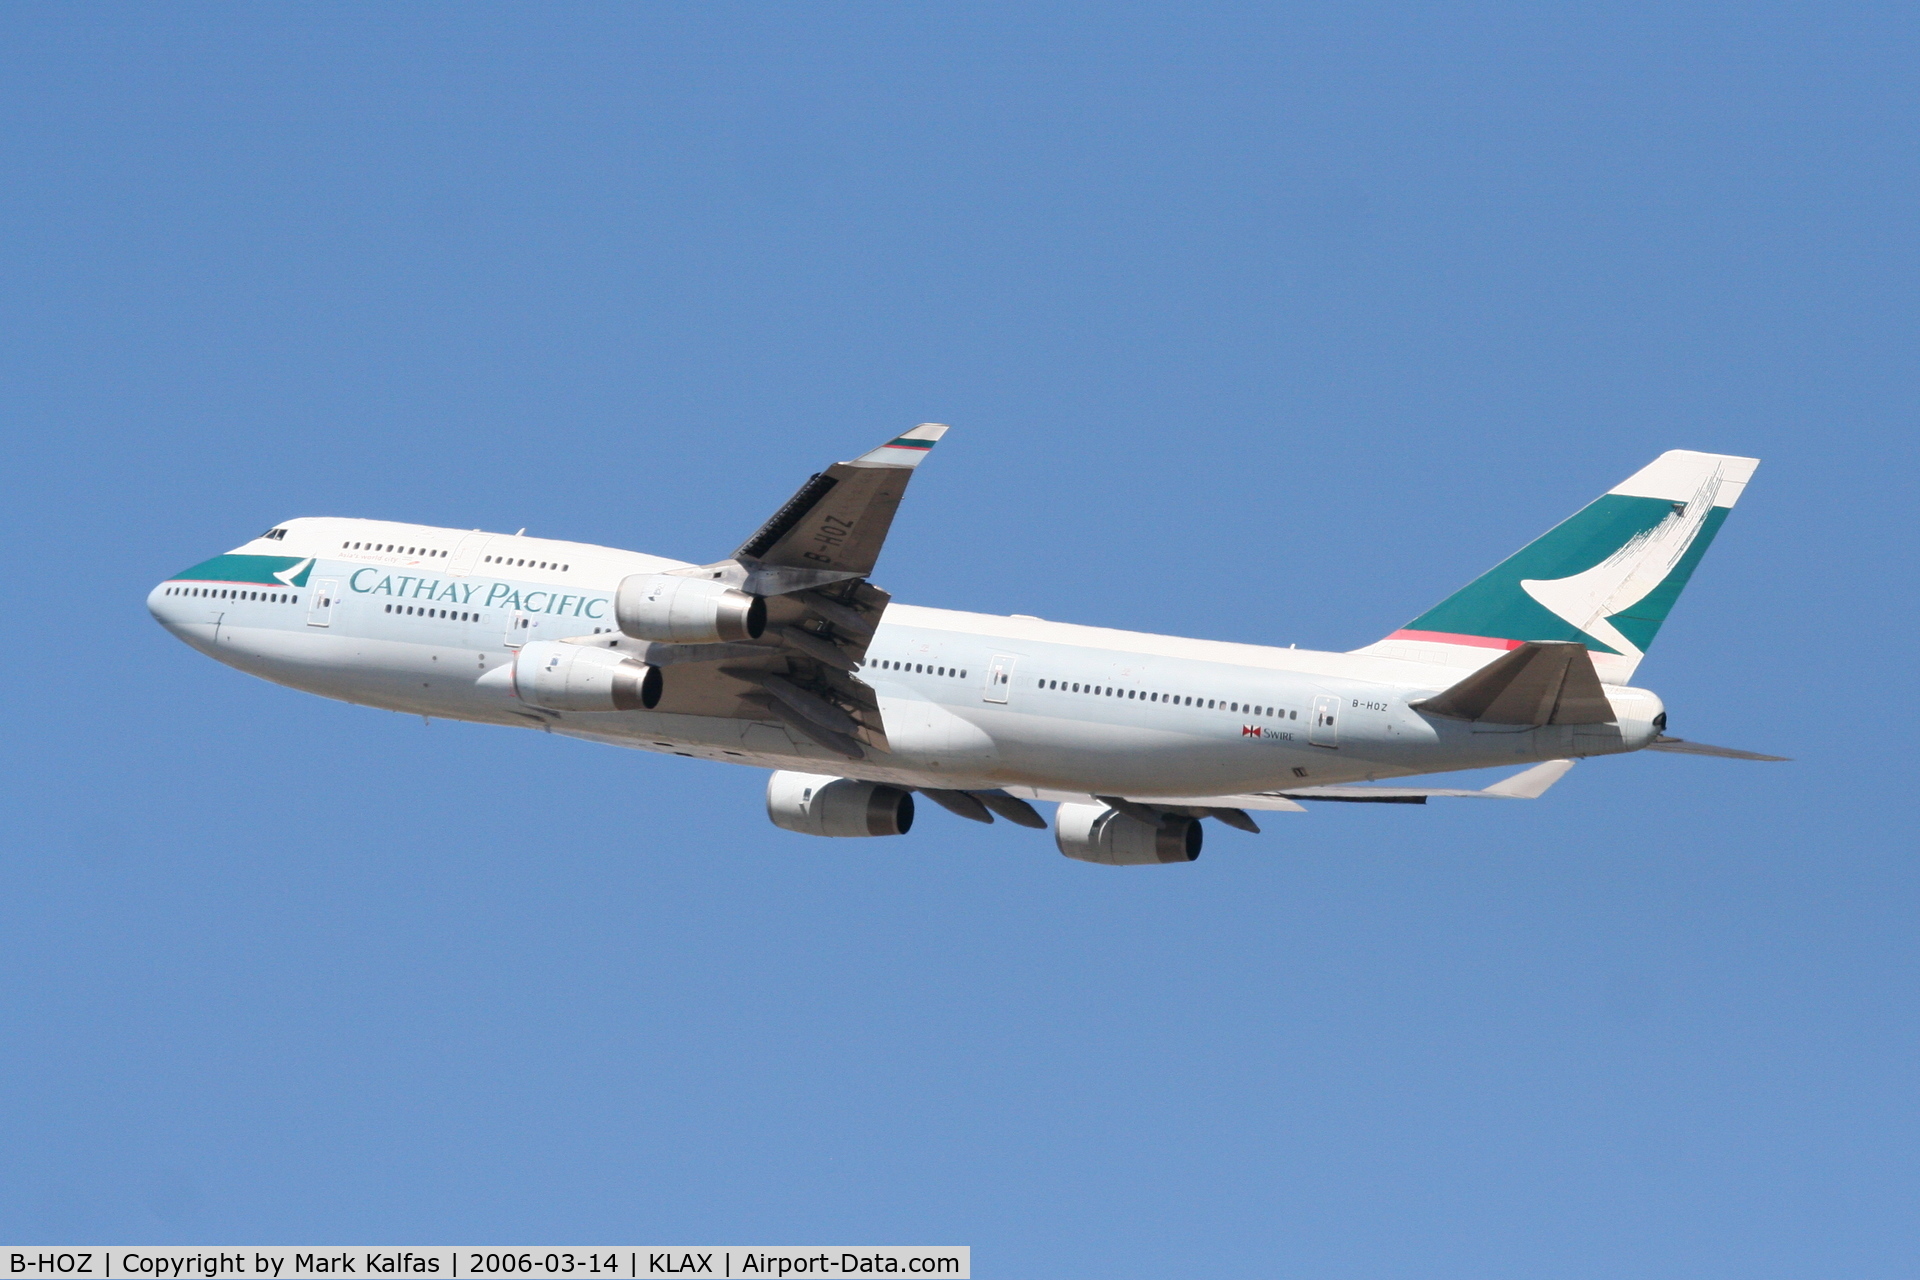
<point>164,606</point>
<point>186,613</point>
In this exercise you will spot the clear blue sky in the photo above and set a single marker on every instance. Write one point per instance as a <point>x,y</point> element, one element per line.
<point>1267,323</point>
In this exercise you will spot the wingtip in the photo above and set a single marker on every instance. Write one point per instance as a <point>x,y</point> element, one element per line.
<point>905,449</point>
<point>1531,784</point>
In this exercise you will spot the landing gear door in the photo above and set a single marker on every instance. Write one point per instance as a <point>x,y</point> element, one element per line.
<point>320,602</point>
<point>1325,729</point>
<point>999,678</point>
<point>518,625</point>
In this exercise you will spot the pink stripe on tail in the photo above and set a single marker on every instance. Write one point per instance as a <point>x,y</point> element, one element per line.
<point>1448,637</point>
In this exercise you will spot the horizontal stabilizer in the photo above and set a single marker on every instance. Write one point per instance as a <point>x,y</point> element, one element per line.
<point>1680,746</point>
<point>1541,682</point>
<point>1528,784</point>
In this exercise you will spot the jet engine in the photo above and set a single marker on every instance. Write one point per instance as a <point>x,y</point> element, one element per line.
<point>815,804</point>
<point>573,677</point>
<point>660,606</point>
<point>1095,833</point>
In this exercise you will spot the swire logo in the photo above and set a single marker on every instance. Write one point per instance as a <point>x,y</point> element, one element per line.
<point>1249,730</point>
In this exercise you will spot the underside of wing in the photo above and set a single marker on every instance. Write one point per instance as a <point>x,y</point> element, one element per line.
<point>801,672</point>
<point>1528,784</point>
<point>1270,802</point>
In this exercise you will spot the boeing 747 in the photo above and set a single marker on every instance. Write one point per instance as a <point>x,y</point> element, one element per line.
<point>784,656</point>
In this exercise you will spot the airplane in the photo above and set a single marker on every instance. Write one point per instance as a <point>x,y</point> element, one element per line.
<point>785,656</point>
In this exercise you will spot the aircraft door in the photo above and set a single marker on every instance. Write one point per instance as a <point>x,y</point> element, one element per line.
<point>1325,729</point>
<point>320,602</point>
<point>518,626</point>
<point>467,554</point>
<point>999,678</point>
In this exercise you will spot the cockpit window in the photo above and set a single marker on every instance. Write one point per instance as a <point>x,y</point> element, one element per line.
<point>274,534</point>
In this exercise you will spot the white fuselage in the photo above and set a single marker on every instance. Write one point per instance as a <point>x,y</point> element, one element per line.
<point>1080,709</point>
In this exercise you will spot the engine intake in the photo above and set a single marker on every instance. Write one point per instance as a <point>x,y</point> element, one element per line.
<point>573,677</point>
<point>815,804</point>
<point>1095,833</point>
<point>659,606</point>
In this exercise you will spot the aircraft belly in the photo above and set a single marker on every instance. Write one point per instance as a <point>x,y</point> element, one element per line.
<point>1069,754</point>
<point>927,736</point>
<point>728,740</point>
<point>1453,744</point>
<point>432,680</point>
<point>933,744</point>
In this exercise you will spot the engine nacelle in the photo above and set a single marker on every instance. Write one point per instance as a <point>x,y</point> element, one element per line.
<point>816,804</point>
<point>574,677</point>
<point>1095,833</point>
<point>659,606</point>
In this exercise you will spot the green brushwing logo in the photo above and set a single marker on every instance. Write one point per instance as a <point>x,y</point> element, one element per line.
<point>265,571</point>
<point>1606,577</point>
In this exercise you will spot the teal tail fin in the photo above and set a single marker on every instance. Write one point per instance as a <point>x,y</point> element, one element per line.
<point>1606,577</point>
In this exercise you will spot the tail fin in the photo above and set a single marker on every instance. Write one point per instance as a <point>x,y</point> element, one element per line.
<point>1605,577</point>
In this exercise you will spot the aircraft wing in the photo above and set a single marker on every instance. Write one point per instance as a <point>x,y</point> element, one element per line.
<point>833,528</point>
<point>1277,803</point>
<point>810,563</point>
<point>1528,784</point>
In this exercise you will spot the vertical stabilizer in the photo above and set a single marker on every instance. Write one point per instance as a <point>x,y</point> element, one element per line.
<point>1604,578</point>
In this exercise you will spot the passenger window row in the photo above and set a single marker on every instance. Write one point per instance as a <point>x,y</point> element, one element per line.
<point>234,593</point>
<point>1109,691</point>
<point>921,668</point>
<point>510,562</point>
<point>435,553</point>
<point>1176,699</point>
<point>421,611</point>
